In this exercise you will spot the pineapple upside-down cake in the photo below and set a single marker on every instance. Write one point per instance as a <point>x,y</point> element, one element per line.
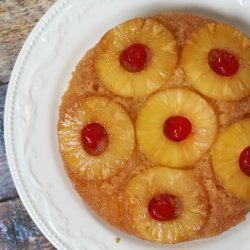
<point>154,129</point>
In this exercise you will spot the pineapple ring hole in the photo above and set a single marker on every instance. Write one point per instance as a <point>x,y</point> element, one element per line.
<point>164,207</point>
<point>135,58</point>
<point>223,62</point>
<point>244,161</point>
<point>94,138</point>
<point>177,128</point>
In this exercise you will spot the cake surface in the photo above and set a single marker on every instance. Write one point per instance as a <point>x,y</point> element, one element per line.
<point>110,193</point>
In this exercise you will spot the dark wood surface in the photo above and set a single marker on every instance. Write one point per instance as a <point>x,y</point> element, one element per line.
<point>17,18</point>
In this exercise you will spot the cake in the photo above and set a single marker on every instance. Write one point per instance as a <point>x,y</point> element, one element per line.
<point>154,128</point>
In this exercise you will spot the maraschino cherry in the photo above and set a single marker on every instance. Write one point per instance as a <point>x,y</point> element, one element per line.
<point>223,62</point>
<point>161,207</point>
<point>135,57</point>
<point>244,161</point>
<point>94,138</point>
<point>177,128</point>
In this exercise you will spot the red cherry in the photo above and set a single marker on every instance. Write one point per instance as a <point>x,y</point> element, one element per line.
<point>161,207</point>
<point>94,138</point>
<point>135,57</point>
<point>177,128</point>
<point>223,62</point>
<point>244,161</point>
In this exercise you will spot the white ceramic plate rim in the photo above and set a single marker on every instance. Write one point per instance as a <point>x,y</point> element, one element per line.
<point>24,111</point>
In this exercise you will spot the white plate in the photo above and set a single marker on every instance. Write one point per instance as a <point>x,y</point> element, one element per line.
<point>38,81</point>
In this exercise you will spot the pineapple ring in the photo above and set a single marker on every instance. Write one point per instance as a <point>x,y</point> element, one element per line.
<point>149,127</point>
<point>161,66</point>
<point>180,183</point>
<point>197,69</point>
<point>120,131</point>
<point>225,158</point>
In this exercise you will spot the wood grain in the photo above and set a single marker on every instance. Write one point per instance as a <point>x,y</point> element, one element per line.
<point>17,230</point>
<point>7,189</point>
<point>17,18</point>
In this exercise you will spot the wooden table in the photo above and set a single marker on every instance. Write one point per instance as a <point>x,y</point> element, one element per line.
<point>17,18</point>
